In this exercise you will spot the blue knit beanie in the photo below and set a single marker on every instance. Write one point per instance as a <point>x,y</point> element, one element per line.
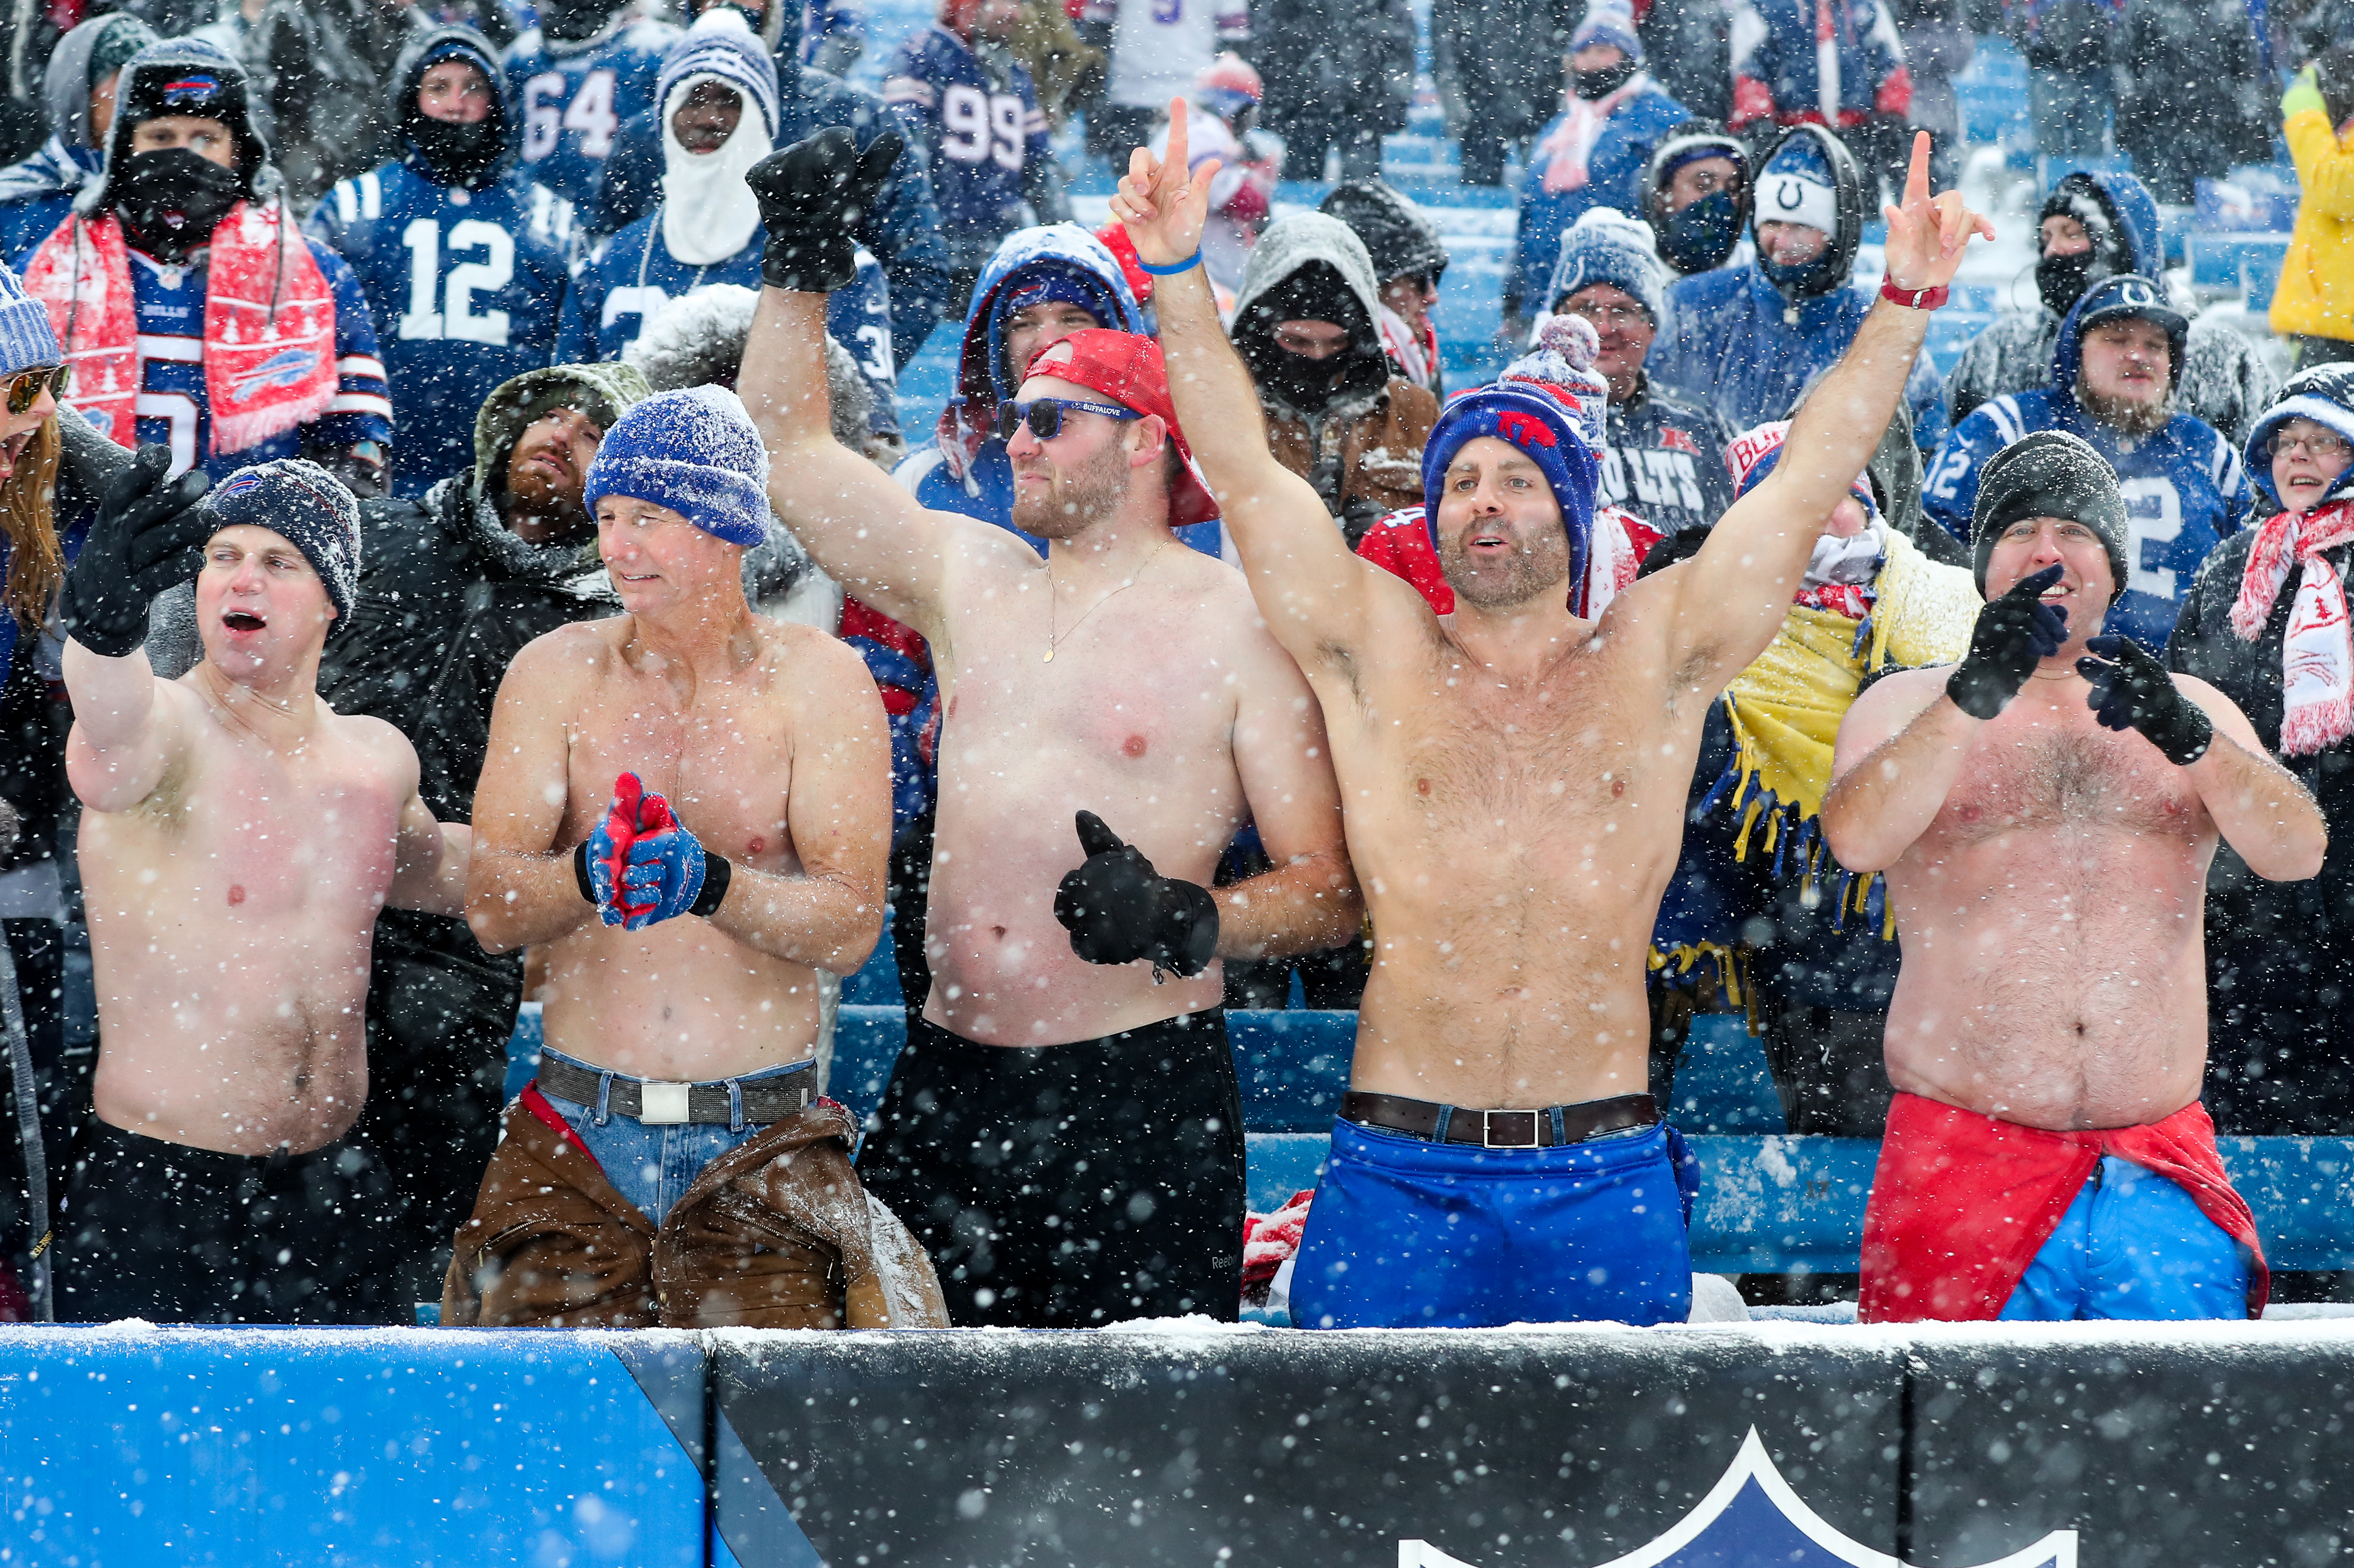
<point>26,339</point>
<point>1607,246</point>
<point>1046,281</point>
<point>1544,418</point>
<point>1610,22</point>
<point>308,507</point>
<point>722,43</point>
<point>696,452</point>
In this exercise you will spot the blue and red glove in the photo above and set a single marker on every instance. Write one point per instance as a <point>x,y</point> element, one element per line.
<point>669,874</point>
<point>603,856</point>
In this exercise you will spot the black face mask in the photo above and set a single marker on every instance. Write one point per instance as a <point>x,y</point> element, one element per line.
<point>2062,280</point>
<point>570,21</point>
<point>458,152</point>
<point>1602,83</point>
<point>172,201</point>
<point>1703,234</point>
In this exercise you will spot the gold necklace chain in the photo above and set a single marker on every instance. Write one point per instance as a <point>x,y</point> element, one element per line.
<point>1053,642</point>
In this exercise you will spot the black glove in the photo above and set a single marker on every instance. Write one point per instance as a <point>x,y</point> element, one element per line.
<point>2132,691</point>
<point>149,536</point>
<point>813,194</point>
<point>1117,909</point>
<point>2014,633</point>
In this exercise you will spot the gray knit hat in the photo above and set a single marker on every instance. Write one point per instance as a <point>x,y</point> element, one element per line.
<point>2049,474</point>
<point>308,507</point>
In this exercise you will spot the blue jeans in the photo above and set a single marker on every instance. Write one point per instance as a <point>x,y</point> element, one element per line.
<point>1408,1233</point>
<point>652,1167</point>
<point>2132,1245</point>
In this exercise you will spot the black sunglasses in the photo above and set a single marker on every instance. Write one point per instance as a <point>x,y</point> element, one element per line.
<point>1044,415</point>
<point>24,386</point>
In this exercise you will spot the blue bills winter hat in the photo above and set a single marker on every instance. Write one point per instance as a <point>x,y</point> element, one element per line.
<point>696,452</point>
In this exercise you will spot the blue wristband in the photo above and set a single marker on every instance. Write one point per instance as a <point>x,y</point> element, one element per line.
<point>1187,265</point>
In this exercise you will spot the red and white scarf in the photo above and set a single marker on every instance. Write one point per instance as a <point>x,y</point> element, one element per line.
<point>270,325</point>
<point>2318,651</point>
<point>1570,146</point>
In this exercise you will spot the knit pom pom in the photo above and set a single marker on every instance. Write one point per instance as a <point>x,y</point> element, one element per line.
<point>1574,338</point>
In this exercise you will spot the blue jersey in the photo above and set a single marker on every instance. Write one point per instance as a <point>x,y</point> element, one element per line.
<point>2184,487</point>
<point>985,135</point>
<point>173,408</point>
<point>467,286</point>
<point>570,97</point>
<point>627,279</point>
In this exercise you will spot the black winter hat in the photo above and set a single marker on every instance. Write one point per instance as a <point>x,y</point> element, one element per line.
<point>1398,234</point>
<point>2050,473</point>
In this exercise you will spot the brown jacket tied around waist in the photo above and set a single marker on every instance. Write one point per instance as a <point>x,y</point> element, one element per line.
<point>776,1234</point>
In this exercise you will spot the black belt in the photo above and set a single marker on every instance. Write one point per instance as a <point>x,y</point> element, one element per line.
<point>1549,1127</point>
<point>658,1104</point>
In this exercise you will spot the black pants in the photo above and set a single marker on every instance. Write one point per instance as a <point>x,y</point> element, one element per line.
<point>1829,1067</point>
<point>1069,1186</point>
<point>174,1234</point>
<point>908,889</point>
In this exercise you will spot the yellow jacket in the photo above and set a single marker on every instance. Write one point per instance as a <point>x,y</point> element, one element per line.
<point>2317,282</point>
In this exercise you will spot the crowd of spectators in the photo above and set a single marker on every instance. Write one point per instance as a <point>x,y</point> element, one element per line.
<point>435,256</point>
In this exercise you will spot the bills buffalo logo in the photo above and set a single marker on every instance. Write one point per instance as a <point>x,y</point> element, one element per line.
<point>289,367</point>
<point>192,87</point>
<point>1752,1517</point>
<point>1522,428</point>
<point>236,487</point>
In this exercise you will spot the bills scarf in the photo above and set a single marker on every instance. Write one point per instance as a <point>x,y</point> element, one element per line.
<point>270,325</point>
<point>2317,650</point>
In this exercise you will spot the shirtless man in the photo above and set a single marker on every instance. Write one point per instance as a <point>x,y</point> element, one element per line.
<point>687,807</point>
<point>2045,812</point>
<point>239,841</point>
<point>1063,1129</point>
<point>1515,779</point>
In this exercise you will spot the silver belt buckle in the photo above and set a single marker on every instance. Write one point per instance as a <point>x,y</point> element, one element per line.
<point>1488,1138</point>
<point>663,1105</point>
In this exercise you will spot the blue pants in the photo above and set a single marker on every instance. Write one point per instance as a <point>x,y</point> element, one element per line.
<point>1405,1233</point>
<point>2133,1245</point>
<point>652,1166</point>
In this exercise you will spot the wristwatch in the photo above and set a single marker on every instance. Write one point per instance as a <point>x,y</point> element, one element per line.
<point>1911,299</point>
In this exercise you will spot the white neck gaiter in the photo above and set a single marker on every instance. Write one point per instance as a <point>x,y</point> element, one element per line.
<point>708,212</point>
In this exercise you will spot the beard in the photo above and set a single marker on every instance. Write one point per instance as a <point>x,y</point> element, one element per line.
<point>2133,417</point>
<point>1075,498</point>
<point>1526,576</point>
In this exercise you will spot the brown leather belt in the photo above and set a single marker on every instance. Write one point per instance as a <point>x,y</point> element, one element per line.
<point>657,1104</point>
<point>1551,1128</point>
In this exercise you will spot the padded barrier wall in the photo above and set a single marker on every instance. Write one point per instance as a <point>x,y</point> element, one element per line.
<point>2122,1445</point>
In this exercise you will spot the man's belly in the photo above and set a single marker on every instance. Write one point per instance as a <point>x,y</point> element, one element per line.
<point>274,1057</point>
<point>679,1001</point>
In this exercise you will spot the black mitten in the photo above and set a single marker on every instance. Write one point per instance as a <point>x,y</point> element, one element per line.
<point>1117,909</point>
<point>812,197</point>
<point>2131,690</point>
<point>2014,634</point>
<point>149,536</point>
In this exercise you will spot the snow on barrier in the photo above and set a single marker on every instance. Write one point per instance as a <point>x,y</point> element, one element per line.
<point>1797,1445</point>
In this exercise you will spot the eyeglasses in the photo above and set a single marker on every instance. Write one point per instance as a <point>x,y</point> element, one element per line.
<point>1044,415</point>
<point>25,387</point>
<point>2321,447</point>
<point>1607,315</point>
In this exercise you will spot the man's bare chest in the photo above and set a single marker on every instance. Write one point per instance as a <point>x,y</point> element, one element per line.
<point>724,759</point>
<point>2065,776</point>
<point>258,834</point>
<point>1136,695</point>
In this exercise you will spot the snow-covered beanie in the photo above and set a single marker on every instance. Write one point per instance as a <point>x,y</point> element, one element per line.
<point>1610,22</point>
<point>1797,186</point>
<point>722,43</point>
<point>696,452</point>
<point>2125,297</point>
<point>1604,246</point>
<point>310,509</point>
<point>1562,359</point>
<point>2322,393</point>
<point>708,212</point>
<point>1750,456</point>
<point>26,336</point>
<point>2050,473</point>
<point>1548,420</point>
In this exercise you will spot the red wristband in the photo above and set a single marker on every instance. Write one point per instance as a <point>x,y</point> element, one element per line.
<point>1911,299</point>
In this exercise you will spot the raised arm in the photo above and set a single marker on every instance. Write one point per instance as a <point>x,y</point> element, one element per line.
<point>866,533</point>
<point>1309,902</point>
<point>128,728</point>
<point>520,886</point>
<point>829,913</point>
<point>1314,592</point>
<point>1736,593</point>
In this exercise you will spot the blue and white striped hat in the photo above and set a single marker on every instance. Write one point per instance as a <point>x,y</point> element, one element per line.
<point>26,339</point>
<point>721,44</point>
